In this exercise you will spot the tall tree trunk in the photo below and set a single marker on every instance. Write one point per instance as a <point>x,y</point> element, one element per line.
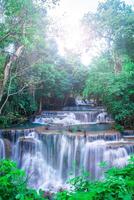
<point>117,63</point>
<point>66,99</point>
<point>4,103</point>
<point>7,69</point>
<point>40,104</point>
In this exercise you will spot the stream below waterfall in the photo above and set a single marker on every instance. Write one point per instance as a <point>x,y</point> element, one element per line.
<point>51,157</point>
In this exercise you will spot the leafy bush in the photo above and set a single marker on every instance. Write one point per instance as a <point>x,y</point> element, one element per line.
<point>11,118</point>
<point>118,127</point>
<point>13,183</point>
<point>81,183</point>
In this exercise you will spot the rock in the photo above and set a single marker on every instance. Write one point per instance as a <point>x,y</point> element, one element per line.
<point>27,144</point>
<point>7,148</point>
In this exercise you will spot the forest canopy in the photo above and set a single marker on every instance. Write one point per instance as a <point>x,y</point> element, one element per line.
<point>34,76</point>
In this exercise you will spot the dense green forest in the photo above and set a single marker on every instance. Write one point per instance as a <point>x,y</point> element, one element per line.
<point>33,76</point>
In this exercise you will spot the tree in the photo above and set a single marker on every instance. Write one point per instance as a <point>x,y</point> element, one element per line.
<point>110,79</point>
<point>113,22</point>
<point>14,183</point>
<point>17,28</point>
<point>23,46</point>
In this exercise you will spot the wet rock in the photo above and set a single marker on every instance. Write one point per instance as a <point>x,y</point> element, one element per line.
<point>26,144</point>
<point>117,144</point>
<point>8,148</point>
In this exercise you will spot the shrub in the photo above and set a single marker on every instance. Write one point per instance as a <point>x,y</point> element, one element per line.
<point>13,183</point>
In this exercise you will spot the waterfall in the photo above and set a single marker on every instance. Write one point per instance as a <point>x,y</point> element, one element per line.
<point>51,159</point>
<point>28,154</point>
<point>93,155</point>
<point>70,117</point>
<point>116,157</point>
<point>2,149</point>
<point>86,117</point>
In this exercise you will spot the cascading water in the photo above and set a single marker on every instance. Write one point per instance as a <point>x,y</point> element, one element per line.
<point>116,157</point>
<point>2,149</point>
<point>86,117</point>
<point>28,154</point>
<point>75,117</point>
<point>50,159</point>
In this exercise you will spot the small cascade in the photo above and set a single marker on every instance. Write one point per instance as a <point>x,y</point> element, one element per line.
<point>43,120</point>
<point>2,149</point>
<point>86,117</point>
<point>13,136</point>
<point>116,157</point>
<point>73,117</point>
<point>62,118</point>
<point>68,119</point>
<point>28,154</point>
<point>103,117</point>
<point>111,136</point>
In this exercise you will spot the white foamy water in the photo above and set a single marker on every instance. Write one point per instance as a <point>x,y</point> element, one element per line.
<point>52,159</point>
<point>73,118</point>
<point>2,149</point>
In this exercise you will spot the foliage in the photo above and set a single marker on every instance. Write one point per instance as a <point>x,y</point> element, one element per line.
<point>111,75</point>
<point>13,183</point>
<point>39,77</point>
<point>118,127</point>
<point>81,183</point>
<point>113,22</point>
<point>115,91</point>
<point>12,118</point>
<point>117,185</point>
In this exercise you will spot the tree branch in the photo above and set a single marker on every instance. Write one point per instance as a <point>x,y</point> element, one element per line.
<point>4,37</point>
